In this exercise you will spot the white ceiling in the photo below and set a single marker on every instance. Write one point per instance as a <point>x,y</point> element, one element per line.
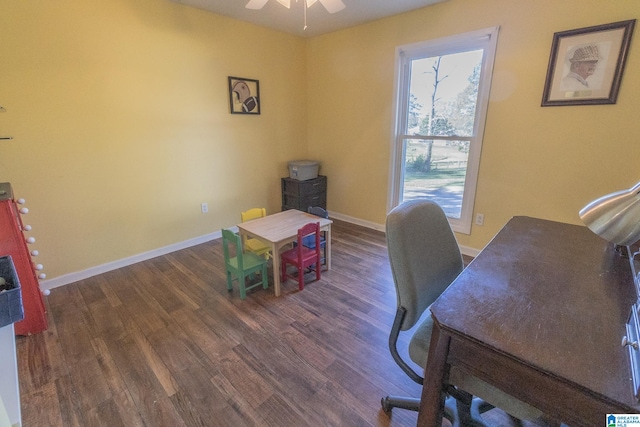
<point>319,21</point>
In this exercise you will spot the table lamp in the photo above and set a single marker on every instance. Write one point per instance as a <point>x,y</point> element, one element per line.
<point>615,217</point>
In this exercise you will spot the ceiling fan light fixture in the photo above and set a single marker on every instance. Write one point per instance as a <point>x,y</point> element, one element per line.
<point>332,6</point>
<point>256,4</point>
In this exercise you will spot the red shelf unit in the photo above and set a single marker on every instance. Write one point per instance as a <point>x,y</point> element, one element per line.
<point>13,242</point>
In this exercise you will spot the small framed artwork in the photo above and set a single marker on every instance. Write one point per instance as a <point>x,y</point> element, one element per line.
<point>586,65</point>
<point>244,96</point>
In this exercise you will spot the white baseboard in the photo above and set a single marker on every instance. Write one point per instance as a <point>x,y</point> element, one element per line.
<point>94,271</point>
<point>466,250</point>
<point>380,227</point>
<point>357,221</point>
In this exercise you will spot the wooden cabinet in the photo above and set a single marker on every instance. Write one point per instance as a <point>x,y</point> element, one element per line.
<point>302,194</point>
<point>14,243</point>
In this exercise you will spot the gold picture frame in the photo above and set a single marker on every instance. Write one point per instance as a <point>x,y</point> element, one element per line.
<point>244,96</point>
<point>586,65</point>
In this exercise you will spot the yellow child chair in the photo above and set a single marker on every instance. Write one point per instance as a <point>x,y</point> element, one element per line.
<point>254,245</point>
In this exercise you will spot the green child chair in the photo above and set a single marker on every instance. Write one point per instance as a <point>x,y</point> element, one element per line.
<point>242,265</point>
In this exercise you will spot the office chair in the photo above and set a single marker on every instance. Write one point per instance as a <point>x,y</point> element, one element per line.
<point>242,265</point>
<point>301,256</point>
<point>255,245</point>
<point>425,259</point>
<point>309,241</point>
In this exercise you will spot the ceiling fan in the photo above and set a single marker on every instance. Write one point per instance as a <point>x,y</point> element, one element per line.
<point>332,6</point>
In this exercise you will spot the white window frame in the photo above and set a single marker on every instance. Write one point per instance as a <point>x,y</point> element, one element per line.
<point>486,39</point>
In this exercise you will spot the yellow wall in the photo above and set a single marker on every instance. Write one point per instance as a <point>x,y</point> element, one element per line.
<point>120,114</point>
<point>543,162</point>
<point>119,111</point>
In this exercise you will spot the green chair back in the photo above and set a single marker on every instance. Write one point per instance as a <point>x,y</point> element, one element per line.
<point>242,266</point>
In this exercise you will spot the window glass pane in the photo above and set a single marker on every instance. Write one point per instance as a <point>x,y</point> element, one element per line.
<point>443,92</point>
<point>440,111</point>
<point>443,180</point>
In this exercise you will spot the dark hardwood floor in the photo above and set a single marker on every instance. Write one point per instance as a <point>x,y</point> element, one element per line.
<point>162,343</point>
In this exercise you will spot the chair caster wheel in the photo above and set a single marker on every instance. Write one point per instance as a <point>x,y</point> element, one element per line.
<point>384,402</point>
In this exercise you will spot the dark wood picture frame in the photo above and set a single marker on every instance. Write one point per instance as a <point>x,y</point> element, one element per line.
<point>244,96</point>
<point>586,64</point>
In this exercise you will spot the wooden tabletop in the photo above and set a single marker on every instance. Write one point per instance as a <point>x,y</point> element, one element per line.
<point>552,296</point>
<point>281,226</point>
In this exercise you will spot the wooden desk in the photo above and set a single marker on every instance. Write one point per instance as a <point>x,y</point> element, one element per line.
<point>539,313</point>
<point>280,229</point>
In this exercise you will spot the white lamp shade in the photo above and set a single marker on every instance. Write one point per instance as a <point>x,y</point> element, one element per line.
<point>615,217</point>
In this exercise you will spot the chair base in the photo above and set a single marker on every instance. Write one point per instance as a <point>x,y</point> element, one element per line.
<point>301,271</point>
<point>390,402</point>
<point>242,284</point>
<point>458,413</point>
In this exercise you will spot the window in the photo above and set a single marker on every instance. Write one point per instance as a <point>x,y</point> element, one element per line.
<point>442,93</point>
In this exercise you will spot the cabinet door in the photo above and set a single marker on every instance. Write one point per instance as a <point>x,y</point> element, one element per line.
<point>12,243</point>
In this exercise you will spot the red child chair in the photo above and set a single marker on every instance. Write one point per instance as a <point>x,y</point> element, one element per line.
<point>301,256</point>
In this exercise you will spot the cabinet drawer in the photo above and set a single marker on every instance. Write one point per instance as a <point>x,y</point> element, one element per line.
<point>312,186</point>
<point>303,202</point>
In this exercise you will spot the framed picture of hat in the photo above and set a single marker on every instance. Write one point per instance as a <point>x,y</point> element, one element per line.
<point>244,95</point>
<point>586,65</point>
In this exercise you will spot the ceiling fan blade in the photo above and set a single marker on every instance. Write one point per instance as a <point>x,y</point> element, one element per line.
<point>332,6</point>
<point>256,4</point>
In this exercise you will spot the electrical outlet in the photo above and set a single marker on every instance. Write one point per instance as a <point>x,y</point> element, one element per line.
<point>204,207</point>
<point>479,219</point>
